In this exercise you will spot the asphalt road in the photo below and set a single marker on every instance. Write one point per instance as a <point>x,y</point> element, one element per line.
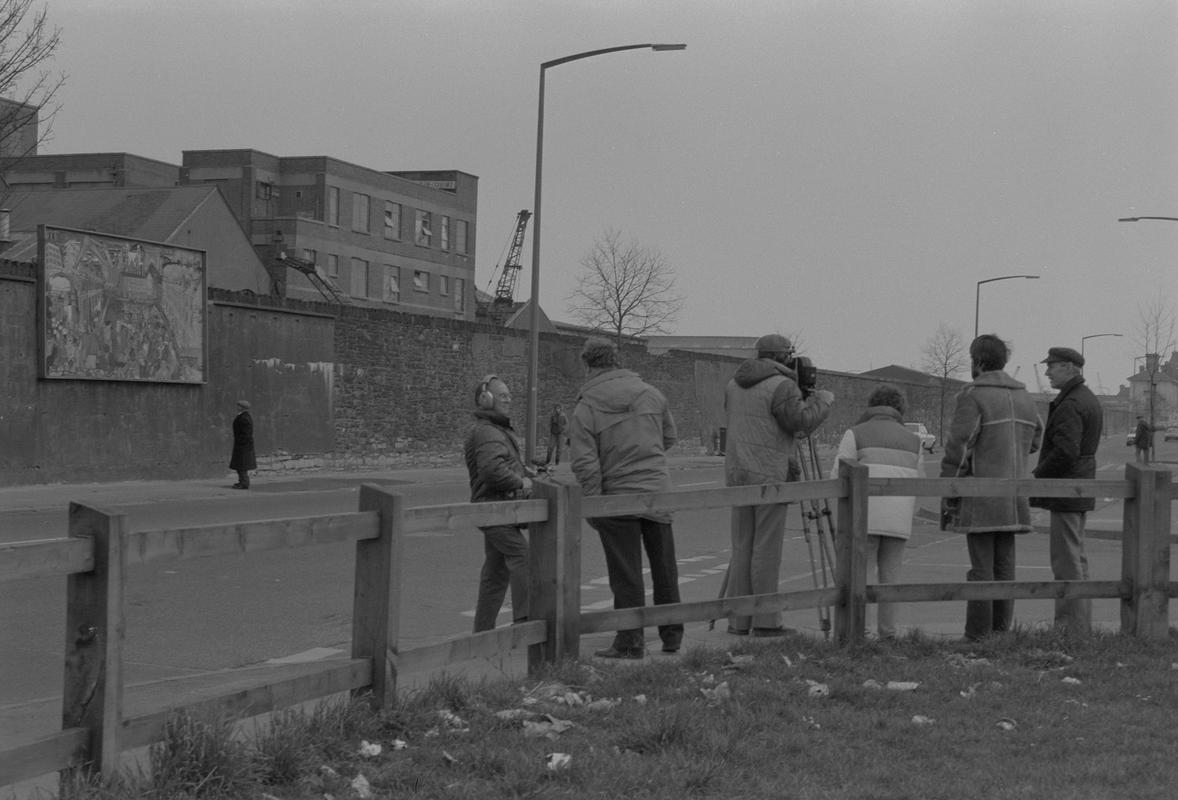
<point>216,613</point>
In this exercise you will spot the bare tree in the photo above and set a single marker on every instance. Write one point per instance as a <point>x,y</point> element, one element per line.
<point>1155,337</point>
<point>945,356</point>
<point>27,87</point>
<point>625,288</point>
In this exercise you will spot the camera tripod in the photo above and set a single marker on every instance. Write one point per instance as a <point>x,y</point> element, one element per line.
<point>817,530</point>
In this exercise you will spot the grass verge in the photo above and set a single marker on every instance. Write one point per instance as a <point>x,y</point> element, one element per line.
<point>1029,714</point>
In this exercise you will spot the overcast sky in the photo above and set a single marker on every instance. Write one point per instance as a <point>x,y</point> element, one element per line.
<point>844,171</point>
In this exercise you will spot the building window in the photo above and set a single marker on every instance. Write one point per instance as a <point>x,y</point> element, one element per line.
<point>420,280</point>
<point>361,204</point>
<point>460,236</point>
<point>310,256</point>
<point>392,220</point>
<point>332,265</point>
<point>445,233</point>
<point>460,294</point>
<point>359,281</point>
<point>423,232</point>
<point>443,285</point>
<point>333,206</point>
<point>392,284</point>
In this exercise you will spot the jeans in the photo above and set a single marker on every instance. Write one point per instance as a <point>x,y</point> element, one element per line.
<point>1069,563</point>
<point>623,539</point>
<point>755,565</point>
<point>506,564</point>
<point>888,554</point>
<point>991,558</point>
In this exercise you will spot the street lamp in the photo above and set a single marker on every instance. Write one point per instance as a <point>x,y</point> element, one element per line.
<point>1093,336</point>
<point>534,311</point>
<point>978,295</point>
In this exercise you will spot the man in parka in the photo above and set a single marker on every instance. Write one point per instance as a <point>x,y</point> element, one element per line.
<point>766,411</point>
<point>620,431</point>
<point>995,429</point>
<point>1074,423</point>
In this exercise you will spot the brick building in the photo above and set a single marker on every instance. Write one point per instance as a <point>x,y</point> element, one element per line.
<point>324,228</point>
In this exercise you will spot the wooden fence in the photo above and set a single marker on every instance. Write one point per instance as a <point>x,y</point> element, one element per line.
<point>101,717</point>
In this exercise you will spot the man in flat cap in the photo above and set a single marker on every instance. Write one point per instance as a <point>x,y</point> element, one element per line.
<point>766,412</point>
<point>1074,423</point>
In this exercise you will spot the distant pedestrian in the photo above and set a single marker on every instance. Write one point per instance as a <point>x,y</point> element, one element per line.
<point>620,430</point>
<point>497,472</point>
<point>1143,440</point>
<point>243,459</point>
<point>1074,425</point>
<point>558,431</point>
<point>889,450</point>
<point>995,430</point>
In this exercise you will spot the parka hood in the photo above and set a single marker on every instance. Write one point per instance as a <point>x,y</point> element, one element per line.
<point>613,391</point>
<point>755,370</point>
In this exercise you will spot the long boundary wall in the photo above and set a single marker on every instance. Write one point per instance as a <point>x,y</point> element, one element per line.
<point>331,386</point>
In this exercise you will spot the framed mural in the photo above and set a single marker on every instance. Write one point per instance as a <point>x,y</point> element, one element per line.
<point>119,309</point>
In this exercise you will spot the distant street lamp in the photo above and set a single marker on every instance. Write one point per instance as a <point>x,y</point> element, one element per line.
<point>1094,336</point>
<point>978,295</point>
<point>534,311</point>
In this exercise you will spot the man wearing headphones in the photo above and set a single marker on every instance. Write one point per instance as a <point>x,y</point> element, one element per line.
<point>497,472</point>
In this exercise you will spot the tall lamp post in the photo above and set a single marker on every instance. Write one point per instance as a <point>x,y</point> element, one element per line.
<point>977,301</point>
<point>534,311</point>
<point>1093,336</point>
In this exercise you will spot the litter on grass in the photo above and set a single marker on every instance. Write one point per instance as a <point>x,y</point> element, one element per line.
<point>559,761</point>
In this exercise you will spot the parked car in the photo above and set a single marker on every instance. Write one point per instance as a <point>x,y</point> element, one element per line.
<point>1131,439</point>
<point>1171,434</point>
<point>927,440</point>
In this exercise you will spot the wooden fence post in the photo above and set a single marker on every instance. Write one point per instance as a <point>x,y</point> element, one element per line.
<point>376,599</point>
<point>850,563</point>
<point>1145,553</point>
<point>554,591</point>
<point>92,696</point>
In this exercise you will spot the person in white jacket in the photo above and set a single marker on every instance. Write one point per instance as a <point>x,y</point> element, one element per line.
<point>889,450</point>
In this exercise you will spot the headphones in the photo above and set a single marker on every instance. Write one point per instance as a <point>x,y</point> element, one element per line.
<point>482,395</point>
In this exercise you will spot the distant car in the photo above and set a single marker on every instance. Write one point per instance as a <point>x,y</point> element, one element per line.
<point>1131,439</point>
<point>1171,433</point>
<point>927,440</point>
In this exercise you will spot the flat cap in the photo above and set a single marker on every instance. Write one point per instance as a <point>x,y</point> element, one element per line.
<point>243,404</point>
<point>774,343</point>
<point>1063,354</point>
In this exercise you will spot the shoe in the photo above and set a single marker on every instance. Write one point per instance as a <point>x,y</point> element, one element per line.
<point>737,631</point>
<point>240,486</point>
<point>613,652</point>
<point>768,633</point>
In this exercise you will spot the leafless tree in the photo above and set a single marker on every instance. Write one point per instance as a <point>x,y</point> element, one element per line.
<point>1155,337</point>
<point>28,89</point>
<point>946,355</point>
<point>625,288</point>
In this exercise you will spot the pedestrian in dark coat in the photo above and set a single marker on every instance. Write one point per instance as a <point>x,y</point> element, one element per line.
<point>1074,424</point>
<point>243,458</point>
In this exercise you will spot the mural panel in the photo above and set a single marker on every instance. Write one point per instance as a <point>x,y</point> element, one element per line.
<point>119,309</point>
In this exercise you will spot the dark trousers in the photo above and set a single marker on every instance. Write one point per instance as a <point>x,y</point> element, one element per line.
<point>623,540</point>
<point>555,445</point>
<point>243,477</point>
<point>506,564</point>
<point>991,558</point>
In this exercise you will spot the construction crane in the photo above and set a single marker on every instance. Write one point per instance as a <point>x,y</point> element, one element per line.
<point>503,301</point>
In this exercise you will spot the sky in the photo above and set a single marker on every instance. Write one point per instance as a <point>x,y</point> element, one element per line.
<point>841,172</point>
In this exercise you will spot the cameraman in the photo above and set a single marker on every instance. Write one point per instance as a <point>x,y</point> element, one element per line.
<point>766,410</point>
<point>497,472</point>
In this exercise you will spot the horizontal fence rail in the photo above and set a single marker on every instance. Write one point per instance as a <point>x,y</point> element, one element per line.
<point>99,721</point>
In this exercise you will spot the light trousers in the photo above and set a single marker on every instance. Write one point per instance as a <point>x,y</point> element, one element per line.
<point>755,566</point>
<point>1069,563</point>
<point>887,553</point>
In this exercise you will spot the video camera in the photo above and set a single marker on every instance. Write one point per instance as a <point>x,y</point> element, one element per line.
<point>805,371</point>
